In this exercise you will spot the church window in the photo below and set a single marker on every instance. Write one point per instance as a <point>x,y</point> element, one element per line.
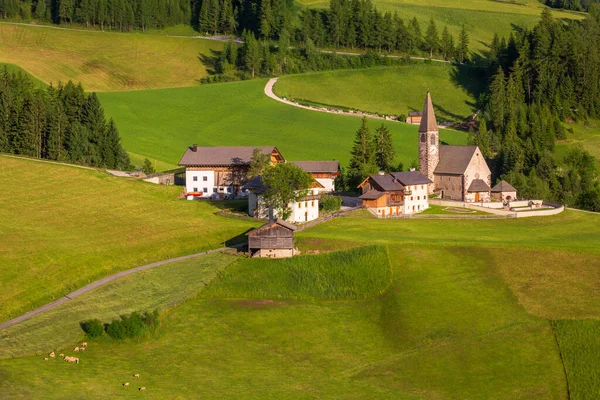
<point>433,138</point>
<point>423,138</point>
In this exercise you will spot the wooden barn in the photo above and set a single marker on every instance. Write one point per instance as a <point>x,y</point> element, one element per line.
<point>274,239</point>
<point>414,118</point>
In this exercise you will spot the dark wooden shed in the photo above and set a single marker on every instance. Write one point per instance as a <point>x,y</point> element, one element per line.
<point>274,239</point>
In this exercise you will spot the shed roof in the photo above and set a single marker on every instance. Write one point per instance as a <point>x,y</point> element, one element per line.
<point>387,182</point>
<point>411,178</point>
<point>454,160</point>
<point>478,185</point>
<point>503,186</point>
<point>428,122</point>
<point>222,155</point>
<point>318,166</point>
<point>371,195</point>
<point>415,114</point>
<point>270,224</point>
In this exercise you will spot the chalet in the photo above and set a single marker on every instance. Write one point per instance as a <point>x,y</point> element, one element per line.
<point>220,171</point>
<point>306,209</point>
<point>396,193</point>
<point>414,118</point>
<point>274,239</point>
<point>504,191</point>
<point>456,172</point>
<point>323,172</point>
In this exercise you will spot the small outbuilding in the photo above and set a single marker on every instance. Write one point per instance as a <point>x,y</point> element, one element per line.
<point>478,191</point>
<point>274,239</point>
<point>504,191</point>
<point>414,118</point>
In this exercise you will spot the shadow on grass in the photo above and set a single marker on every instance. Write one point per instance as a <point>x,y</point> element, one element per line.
<point>239,240</point>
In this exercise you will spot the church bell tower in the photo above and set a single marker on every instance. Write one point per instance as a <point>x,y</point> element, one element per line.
<point>429,142</point>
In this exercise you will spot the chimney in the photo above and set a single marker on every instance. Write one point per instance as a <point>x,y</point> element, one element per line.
<point>195,148</point>
<point>381,173</point>
<point>412,170</point>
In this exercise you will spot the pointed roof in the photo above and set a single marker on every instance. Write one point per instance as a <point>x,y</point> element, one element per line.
<point>428,122</point>
<point>503,186</point>
<point>478,185</point>
<point>454,160</point>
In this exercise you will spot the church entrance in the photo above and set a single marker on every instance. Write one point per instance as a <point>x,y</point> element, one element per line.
<point>476,196</point>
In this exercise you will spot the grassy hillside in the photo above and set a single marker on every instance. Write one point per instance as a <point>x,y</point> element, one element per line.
<point>447,327</point>
<point>482,18</point>
<point>160,124</point>
<point>63,227</point>
<point>105,61</point>
<point>395,91</point>
<point>587,136</point>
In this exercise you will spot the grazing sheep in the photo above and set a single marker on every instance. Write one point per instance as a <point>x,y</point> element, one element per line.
<point>45,358</point>
<point>142,388</point>
<point>84,344</point>
<point>61,355</point>
<point>52,355</point>
<point>136,375</point>
<point>72,359</point>
<point>126,384</point>
<point>82,349</point>
<point>76,349</point>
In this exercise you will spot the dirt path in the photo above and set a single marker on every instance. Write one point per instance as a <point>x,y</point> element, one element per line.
<point>97,284</point>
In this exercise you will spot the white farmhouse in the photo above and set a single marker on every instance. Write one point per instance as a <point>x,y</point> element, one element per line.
<point>323,172</point>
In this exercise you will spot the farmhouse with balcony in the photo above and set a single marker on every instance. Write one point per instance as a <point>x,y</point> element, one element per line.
<point>304,210</point>
<point>274,239</point>
<point>220,171</point>
<point>395,194</point>
<point>323,172</point>
<point>457,172</point>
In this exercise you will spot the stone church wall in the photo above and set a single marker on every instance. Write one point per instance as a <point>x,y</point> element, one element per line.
<point>449,186</point>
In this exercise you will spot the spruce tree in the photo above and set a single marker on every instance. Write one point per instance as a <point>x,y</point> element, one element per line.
<point>463,45</point>
<point>384,149</point>
<point>251,51</point>
<point>432,40</point>
<point>227,22</point>
<point>362,156</point>
<point>498,99</point>
<point>266,18</point>
<point>447,44</point>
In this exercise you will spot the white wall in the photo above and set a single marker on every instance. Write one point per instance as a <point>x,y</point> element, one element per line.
<point>328,183</point>
<point>200,184</point>
<point>301,212</point>
<point>417,201</point>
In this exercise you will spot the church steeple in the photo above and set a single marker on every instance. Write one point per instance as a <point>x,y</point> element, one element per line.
<point>429,143</point>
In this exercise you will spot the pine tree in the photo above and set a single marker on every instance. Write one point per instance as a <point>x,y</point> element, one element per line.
<point>415,38</point>
<point>432,40</point>
<point>266,18</point>
<point>209,17</point>
<point>251,53</point>
<point>362,156</point>
<point>384,149</point>
<point>463,45</point>
<point>498,99</point>
<point>227,22</point>
<point>447,44</point>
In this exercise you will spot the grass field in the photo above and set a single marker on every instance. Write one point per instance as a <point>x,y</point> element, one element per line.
<point>395,90</point>
<point>63,227</point>
<point>587,136</point>
<point>447,327</point>
<point>105,61</point>
<point>161,124</point>
<point>482,18</point>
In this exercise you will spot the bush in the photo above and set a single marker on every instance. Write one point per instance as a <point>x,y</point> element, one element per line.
<point>92,327</point>
<point>131,326</point>
<point>330,203</point>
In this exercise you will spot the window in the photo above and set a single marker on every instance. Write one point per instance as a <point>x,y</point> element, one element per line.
<point>418,197</point>
<point>195,189</point>
<point>221,189</point>
<point>299,205</point>
<point>214,190</point>
<point>312,203</point>
<point>411,197</point>
<point>195,179</point>
<point>423,138</point>
<point>205,178</point>
<point>205,190</point>
<point>229,190</point>
<point>433,138</point>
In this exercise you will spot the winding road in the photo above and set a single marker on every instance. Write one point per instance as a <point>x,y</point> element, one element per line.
<point>97,284</point>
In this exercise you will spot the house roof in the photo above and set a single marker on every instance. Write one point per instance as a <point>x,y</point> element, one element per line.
<point>454,160</point>
<point>428,122</point>
<point>222,155</point>
<point>256,185</point>
<point>408,178</point>
<point>478,185</point>
<point>269,224</point>
<point>318,166</point>
<point>371,195</point>
<point>387,182</point>
<point>415,114</point>
<point>503,186</point>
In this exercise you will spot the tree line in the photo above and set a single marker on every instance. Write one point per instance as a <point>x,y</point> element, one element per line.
<point>60,123</point>
<point>575,5</point>
<point>544,77</point>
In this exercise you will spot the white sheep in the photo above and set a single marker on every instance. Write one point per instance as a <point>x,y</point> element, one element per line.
<point>76,349</point>
<point>52,355</point>
<point>142,388</point>
<point>84,344</point>
<point>126,384</point>
<point>136,375</point>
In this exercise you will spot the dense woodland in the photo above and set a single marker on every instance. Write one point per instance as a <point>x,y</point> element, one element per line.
<point>575,5</point>
<point>544,77</point>
<point>58,123</point>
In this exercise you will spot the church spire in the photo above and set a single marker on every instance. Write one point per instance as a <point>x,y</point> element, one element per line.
<point>428,122</point>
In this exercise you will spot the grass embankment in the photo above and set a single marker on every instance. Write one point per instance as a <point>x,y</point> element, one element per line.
<point>105,61</point>
<point>482,18</point>
<point>63,227</point>
<point>161,124</point>
<point>390,90</point>
<point>447,327</point>
<point>587,136</point>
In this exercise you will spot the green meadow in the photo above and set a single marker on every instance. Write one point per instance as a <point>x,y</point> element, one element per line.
<point>161,124</point>
<point>482,18</point>
<point>105,61</point>
<point>63,227</point>
<point>391,90</point>
<point>586,136</point>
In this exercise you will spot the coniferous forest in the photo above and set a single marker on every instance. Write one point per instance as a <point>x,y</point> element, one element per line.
<point>60,123</point>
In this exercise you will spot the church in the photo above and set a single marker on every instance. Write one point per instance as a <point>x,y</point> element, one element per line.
<point>458,172</point>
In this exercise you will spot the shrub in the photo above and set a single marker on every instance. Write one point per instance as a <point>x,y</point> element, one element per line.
<point>92,327</point>
<point>132,325</point>
<point>330,203</point>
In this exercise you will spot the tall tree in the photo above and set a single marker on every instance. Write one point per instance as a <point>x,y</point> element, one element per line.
<point>285,183</point>
<point>463,45</point>
<point>432,40</point>
<point>362,156</point>
<point>384,149</point>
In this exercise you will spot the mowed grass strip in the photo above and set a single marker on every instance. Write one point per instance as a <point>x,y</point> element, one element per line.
<point>159,288</point>
<point>448,327</point>
<point>390,90</point>
<point>63,227</point>
<point>579,342</point>
<point>161,124</point>
<point>105,61</point>
<point>350,274</point>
